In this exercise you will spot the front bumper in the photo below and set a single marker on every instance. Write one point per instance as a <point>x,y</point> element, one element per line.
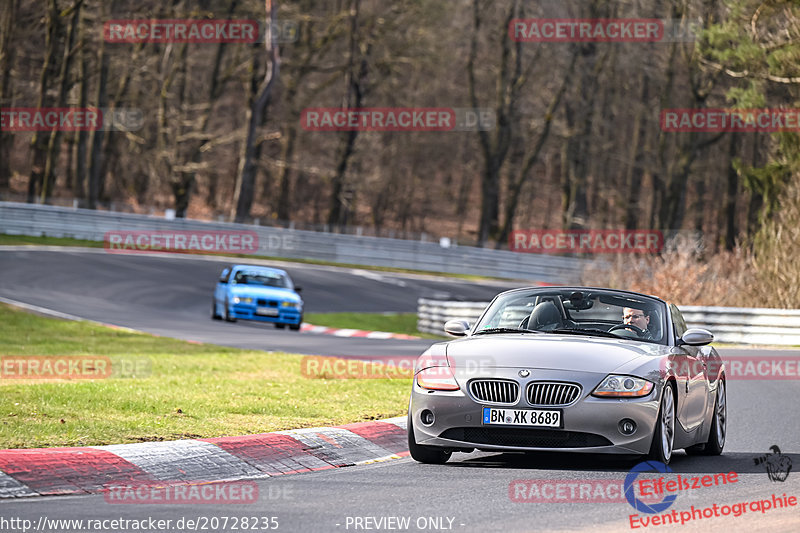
<point>284,316</point>
<point>590,425</point>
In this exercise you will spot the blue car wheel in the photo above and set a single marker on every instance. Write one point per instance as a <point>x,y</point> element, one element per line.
<point>228,317</point>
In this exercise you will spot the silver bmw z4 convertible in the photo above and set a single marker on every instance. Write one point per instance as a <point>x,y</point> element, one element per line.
<point>570,369</point>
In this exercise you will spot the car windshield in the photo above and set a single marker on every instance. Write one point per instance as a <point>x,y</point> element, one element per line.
<point>266,279</point>
<point>590,312</point>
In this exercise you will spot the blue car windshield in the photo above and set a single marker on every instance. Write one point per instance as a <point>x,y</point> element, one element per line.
<point>265,279</point>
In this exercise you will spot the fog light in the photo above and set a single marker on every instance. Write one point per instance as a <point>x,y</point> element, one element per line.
<point>627,426</point>
<point>426,417</point>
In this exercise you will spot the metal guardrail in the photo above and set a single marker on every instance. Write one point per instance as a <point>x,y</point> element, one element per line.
<point>738,325</point>
<point>53,221</point>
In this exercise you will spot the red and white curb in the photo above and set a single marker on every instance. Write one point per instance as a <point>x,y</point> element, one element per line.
<point>342,332</point>
<point>51,471</point>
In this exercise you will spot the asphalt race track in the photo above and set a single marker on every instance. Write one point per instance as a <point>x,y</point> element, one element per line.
<point>171,296</point>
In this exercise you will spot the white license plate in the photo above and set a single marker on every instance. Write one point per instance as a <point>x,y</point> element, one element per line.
<point>267,311</point>
<point>522,417</point>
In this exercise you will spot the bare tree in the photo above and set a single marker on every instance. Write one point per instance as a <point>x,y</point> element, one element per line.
<point>7,50</point>
<point>256,115</point>
<point>494,145</point>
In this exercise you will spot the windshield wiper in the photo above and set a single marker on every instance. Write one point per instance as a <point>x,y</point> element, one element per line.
<point>579,331</point>
<point>505,330</point>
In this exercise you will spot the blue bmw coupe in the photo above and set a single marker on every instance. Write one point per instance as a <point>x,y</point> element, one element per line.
<point>257,293</point>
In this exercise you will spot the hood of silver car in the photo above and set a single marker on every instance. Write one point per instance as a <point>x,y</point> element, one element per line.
<point>549,351</point>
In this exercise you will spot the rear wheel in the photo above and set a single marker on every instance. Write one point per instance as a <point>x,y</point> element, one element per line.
<point>425,454</point>
<point>664,434</point>
<point>214,314</point>
<point>719,426</point>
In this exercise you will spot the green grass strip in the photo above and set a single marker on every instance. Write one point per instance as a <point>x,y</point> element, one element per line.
<point>186,390</point>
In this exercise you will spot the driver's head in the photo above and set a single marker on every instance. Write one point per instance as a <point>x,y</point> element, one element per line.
<point>637,317</point>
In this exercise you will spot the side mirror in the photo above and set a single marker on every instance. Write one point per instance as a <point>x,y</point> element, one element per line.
<point>696,337</point>
<point>457,328</point>
<point>298,289</point>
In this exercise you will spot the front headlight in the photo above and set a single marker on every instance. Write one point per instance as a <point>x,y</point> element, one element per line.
<point>238,300</point>
<point>623,387</point>
<point>290,305</point>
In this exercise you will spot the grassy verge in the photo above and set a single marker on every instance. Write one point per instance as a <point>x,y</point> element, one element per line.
<point>188,390</point>
<point>9,240</point>
<point>395,322</point>
<point>18,240</point>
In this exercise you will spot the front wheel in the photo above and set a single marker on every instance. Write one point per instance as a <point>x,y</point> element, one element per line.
<point>425,454</point>
<point>664,434</point>
<point>719,426</point>
<point>228,316</point>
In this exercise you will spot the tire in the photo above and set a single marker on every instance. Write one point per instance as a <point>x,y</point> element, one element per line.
<point>280,325</point>
<point>228,317</point>
<point>719,425</point>
<point>664,434</point>
<point>214,315</point>
<point>431,455</point>
<point>296,327</point>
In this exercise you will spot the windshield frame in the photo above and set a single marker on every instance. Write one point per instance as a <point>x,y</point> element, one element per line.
<point>659,305</point>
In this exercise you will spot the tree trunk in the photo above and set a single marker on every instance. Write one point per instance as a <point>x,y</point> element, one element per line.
<point>341,198</point>
<point>635,167</point>
<point>78,185</point>
<point>731,193</point>
<point>41,139</point>
<point>579,115</point>
<point>532,158</point>
<point>54,143</point>
<point>7,53</point>
<point>97,165</point>
<point>494,148</point>
<point>256,114</point>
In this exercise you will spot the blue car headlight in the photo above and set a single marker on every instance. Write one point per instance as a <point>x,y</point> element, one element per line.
<point>238,300</point>
<point>291,305</point>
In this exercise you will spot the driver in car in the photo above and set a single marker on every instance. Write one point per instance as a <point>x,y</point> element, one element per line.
<point>639,318</point>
